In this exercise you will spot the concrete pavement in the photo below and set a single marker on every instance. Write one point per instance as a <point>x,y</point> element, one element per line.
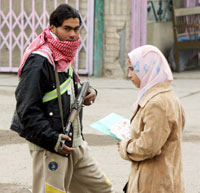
<point>114,95</point>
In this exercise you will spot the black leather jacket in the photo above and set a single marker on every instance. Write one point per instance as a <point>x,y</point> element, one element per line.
<point>38,122</point>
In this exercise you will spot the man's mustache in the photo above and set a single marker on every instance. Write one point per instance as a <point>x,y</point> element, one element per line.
<point>72,39</point>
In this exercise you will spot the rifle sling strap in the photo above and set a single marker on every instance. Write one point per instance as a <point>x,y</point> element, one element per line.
<point>59,96</point>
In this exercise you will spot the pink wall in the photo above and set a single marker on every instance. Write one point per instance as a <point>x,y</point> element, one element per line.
<point>192,3</point>
<point>138,25</point>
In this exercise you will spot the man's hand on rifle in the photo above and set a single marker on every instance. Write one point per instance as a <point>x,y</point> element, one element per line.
<point>65,149</point>
<point>90,97</point>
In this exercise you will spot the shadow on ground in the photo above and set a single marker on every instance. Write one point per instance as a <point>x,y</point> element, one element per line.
<point>10,137</point>
<point>100,140</point>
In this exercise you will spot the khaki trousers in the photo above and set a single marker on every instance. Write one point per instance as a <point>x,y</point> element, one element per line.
<point>77,173</point>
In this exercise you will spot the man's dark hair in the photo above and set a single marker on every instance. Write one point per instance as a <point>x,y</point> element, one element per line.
<point>63,12</point>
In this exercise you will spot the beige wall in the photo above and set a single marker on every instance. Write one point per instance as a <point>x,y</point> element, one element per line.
<point>116,18</point>
<point>161,35</point>
<point>117,13</point>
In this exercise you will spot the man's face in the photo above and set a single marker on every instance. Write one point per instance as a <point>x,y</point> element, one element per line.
<point>69,30</point>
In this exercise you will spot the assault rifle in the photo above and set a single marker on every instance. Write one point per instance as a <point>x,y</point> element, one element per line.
<point>76,107</point>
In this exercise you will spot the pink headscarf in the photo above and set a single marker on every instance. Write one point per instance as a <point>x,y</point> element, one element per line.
<point>49,46</point>
<point>151,68</point>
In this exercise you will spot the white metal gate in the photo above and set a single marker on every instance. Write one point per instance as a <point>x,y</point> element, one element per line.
<point>22,20</point>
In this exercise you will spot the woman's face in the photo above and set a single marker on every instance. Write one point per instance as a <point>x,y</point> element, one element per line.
<point>132,75</point>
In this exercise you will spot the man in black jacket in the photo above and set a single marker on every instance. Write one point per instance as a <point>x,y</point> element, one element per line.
<point>56,168</point>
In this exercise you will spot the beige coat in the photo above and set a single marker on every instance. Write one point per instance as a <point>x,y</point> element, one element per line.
<point>155,145</point>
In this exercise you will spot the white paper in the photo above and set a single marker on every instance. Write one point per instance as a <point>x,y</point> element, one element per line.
<point>121,129</point>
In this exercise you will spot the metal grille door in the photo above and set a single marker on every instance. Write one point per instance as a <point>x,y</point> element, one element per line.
<point>22,20</point>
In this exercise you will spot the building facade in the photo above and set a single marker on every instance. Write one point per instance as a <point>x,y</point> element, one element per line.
<point>111,28</point>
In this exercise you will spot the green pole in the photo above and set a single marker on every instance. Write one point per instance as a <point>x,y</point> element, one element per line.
<point>98,37</point>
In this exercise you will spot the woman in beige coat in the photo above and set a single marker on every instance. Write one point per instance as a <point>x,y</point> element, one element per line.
<point>154,148</point>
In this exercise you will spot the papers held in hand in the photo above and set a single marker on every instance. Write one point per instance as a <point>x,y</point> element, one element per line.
<point>113,125</point>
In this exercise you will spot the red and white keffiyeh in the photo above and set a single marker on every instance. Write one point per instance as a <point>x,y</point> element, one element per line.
<point>61,52</point>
